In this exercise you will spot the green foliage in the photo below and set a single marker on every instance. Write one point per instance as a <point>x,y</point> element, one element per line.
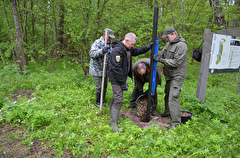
<point>64,116</point>
<point>84,22</point>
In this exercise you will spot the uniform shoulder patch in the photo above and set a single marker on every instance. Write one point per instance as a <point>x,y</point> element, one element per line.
<point>118,58</point>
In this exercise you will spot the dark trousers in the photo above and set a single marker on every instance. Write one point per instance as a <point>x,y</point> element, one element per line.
<point>98,83</point>
<point>117,98</point>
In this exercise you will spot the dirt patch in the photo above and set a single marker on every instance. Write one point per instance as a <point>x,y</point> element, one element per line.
<point>157,119</point>
<point>12,137</point>
<point>11,144</point>
<point>138,116</point>
<point>22,93</point>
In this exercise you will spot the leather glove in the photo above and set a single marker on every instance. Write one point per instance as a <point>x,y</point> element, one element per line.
<point>105,50</point>
<point>124,87</point>
<point>157,58</point>
<point>150,45</point>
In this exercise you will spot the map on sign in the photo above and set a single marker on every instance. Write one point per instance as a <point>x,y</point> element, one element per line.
<point>225,52</point>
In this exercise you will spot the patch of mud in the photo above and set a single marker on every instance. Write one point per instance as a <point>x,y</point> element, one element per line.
<point>157,119</point>
<point>11,144</point>
<point>22,93</point>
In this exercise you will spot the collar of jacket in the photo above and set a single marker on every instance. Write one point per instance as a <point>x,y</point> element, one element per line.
<point>176,40</point>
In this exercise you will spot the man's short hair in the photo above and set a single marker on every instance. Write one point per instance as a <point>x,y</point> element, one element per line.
<point>141,66</point>
<point>130,36</point>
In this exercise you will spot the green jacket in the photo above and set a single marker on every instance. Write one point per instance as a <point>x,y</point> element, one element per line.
<point>174,57</point>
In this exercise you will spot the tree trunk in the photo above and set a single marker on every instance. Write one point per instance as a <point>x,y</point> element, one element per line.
<point>33,32</point>
<point>10,33</point>
<point>20,52</point>
<point>60,24</point>
<point>25,33</point>
<point>218,13</point>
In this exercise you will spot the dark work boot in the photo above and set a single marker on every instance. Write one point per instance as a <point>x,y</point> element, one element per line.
<point>154,112</point>
<point>164,115</point>
<point>154,107</point>
<point>114,119</point>
<point>132,105</point>
<point>98,96</point>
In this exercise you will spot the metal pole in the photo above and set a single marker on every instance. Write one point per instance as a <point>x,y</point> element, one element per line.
<point>103,75</point>
<point>154,35</point>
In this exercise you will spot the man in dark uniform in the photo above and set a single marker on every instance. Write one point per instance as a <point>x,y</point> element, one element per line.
<point>141,71</point>
<point>174,58</point>
<point>120,68</point>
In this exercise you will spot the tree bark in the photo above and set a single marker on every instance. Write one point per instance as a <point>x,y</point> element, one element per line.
<point>60,23</point>
<point>25,30</point>
<point>10,33</point>
<point>218,13</point>
<point>20,52</point>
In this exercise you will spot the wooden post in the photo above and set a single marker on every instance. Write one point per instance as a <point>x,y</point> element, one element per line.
<point>154,35</point>
<point>204,68</point>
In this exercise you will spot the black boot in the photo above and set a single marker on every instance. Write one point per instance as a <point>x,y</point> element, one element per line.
<point>97,104</point>
<point>154,112</point>
<point>132,105</point>
<point>154,107</point>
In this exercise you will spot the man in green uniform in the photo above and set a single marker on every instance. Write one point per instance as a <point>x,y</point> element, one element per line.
<point>174,58</point>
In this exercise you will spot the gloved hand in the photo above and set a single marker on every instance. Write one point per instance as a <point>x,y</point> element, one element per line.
<point>124,87</point>
<point>157,58</point>
<point>105,50</point>
<point>150,45</point>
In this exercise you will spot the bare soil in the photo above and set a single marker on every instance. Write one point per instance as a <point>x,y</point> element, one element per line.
<point>138,116</point>
<point>12,136</point>
<point>22,93</point>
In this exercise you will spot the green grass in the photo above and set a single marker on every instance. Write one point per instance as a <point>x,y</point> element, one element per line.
<point>64,115</point>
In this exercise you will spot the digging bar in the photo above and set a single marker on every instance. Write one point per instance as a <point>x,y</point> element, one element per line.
<point>103,75</point>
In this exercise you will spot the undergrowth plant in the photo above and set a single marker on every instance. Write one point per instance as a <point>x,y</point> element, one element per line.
<point>63,115</point>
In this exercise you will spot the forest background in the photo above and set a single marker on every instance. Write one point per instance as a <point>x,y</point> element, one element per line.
<point>49,41</point>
